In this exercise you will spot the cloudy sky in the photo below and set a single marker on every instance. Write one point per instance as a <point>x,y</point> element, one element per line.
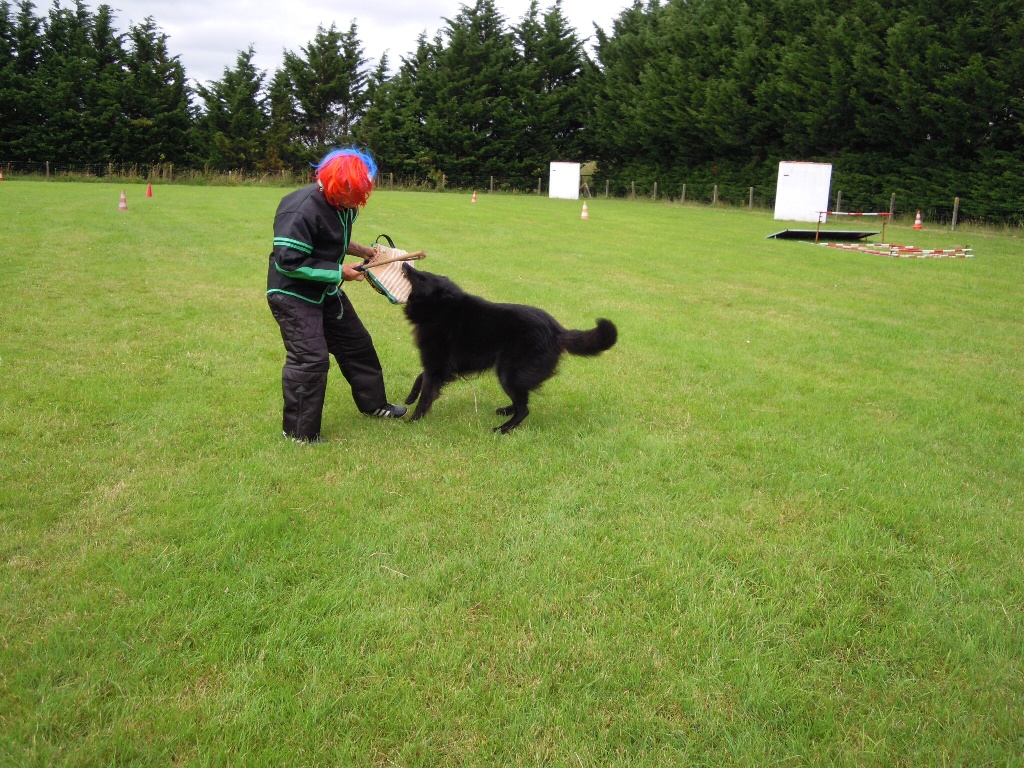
<point>208,34</point>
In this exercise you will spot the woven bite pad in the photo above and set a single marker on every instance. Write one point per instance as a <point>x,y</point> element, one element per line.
<point>389,280</point>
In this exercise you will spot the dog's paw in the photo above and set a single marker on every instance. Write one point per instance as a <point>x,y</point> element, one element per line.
<point>507,410</point>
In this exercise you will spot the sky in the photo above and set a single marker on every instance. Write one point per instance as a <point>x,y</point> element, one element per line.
<point>208,34</point>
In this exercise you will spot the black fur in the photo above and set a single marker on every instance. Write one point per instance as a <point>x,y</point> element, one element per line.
<point>459,334</point>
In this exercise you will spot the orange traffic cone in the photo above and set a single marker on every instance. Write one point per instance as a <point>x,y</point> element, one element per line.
<point>584,215</point>
<point>123,205</point>
<point>149,190</point>
<point>917,222</point>
<point>474,197</point>
<point>1,175</point>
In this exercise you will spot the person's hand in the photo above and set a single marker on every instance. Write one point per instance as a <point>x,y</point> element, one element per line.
<point>349,272</point>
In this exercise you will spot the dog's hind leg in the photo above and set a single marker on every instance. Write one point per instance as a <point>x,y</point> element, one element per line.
<point>415,393</point>
<point>519,396</point>
<point>517,410</point>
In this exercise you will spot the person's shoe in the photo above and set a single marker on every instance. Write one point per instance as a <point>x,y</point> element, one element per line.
<point>389,411</point>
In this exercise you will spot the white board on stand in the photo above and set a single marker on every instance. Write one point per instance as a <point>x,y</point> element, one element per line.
<point>564,181</point>
<point>803,190</point>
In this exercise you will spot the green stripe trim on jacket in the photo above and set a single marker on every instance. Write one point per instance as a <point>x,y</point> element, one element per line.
<point>298,245</point>
<point>330,292</point>
<point>309,273</point>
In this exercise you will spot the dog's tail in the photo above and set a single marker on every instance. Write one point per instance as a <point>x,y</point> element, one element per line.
<point>591,342</point>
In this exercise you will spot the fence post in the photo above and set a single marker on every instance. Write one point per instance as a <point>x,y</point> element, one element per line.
<point>492,184</point>
<point>538,186</point>
<point>391,181</point>
<point>714,199</point>
<point>956,211</point>
<point>632,190</point>
<point>839,201</point>
<point>607,187</point>
<point>47,170</point>
<point>683,198</point>
<point>655,195</point>
<point>892,205</point>
<point>750,205</point>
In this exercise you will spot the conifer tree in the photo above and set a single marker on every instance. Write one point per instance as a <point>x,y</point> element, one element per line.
<point>103,92</point>
<point>20,58</point>
<point>551,88</point>
<point>156,101</point>
<point>472,123</point>
<point>328,87</point>
<point>231,133</point>
<point>283,148</point>
<point>393,126</point>
<point>61,83</point>
<point>8,75</point>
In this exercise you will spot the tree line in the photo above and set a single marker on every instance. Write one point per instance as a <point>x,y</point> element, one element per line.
<point>902,96</point>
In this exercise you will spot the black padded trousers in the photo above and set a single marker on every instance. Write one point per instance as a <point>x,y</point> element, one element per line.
<point>311,333</point>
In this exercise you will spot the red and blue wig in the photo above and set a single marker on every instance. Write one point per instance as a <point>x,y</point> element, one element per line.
<point>347,176</point>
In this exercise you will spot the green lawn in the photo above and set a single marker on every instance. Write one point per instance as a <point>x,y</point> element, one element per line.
<point>780,523</point>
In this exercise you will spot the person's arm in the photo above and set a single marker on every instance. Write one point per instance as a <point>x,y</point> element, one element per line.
<point>364,252</point>
<point>349,271</point>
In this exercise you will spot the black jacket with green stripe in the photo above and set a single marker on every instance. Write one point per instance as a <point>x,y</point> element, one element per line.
<point>310,240</point>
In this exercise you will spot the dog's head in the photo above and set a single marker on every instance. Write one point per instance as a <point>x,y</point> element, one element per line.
<point>428,288</point>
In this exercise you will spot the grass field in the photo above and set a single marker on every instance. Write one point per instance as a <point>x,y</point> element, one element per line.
<point>780,523</point>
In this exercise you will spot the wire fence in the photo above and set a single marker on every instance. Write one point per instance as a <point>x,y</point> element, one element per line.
<point>725,193</point>
<point>432,182</point>
<point>165,173</point>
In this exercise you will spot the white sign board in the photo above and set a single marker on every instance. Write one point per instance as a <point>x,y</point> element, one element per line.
<point>802,192</point>
<point>564,181</point>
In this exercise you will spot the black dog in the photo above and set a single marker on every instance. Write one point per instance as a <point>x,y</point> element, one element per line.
<point>459,334</point>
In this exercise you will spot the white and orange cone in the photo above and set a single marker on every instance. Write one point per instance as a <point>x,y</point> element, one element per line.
<point>123,205</point>
<point>584,215</point>
<point>917,221</point>
<point>1,175</point>
<point>474,197</point>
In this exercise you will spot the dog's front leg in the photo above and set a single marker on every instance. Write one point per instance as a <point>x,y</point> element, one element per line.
<point>415,393</point>
<point>430,388</point>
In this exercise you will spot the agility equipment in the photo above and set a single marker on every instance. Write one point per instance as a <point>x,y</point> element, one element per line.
<point>474,197</point>
<point>884,216</point>
<point>584,215</point>
<point>910,252</point>
<point>894,251</point>
<point>123,205</point>
<point>149,190</point>
<point>802,190</point>
<point>1,175</point>
<point>917,221</point>
<point>876,249</point>
<point>384,271</point>
<point>828,234</point>
<point>563,181</point>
